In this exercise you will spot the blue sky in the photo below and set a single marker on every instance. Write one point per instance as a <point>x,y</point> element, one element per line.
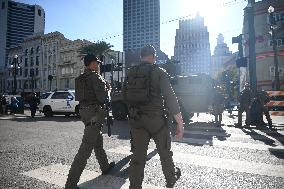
<point>102,19</point>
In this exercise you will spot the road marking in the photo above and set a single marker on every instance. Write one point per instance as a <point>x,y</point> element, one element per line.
<point>257,136</point>
<point>225,129</point>
<point>219,163</point>
<point>57,174</point>
<point>226,143</point>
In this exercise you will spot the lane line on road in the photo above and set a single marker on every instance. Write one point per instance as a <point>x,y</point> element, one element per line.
<point>226,134</point>
<point>219,163</point>
<point>225,128</point>
<point>226,143</point>
<point>57,174</point>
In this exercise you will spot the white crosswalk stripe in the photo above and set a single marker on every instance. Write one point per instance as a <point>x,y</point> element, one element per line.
<point>57,174</point>
<point>220,163</point>
<point>205,135</point>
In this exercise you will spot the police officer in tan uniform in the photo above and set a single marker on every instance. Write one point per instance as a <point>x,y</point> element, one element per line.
<point>91,91</point>
<point>245,101</point>
<point>147,122</point>
<point>258,108</point>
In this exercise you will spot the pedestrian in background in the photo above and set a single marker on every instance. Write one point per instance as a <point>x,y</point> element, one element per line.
<point>34,101</point>
<point>91,91</point>
<point>245,101</point>
<point>148,121</point>
<point>14,105</point>
<point>258,109</point>
<point>3,103</point>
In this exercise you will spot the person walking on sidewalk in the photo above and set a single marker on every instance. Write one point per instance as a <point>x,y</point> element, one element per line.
<point>148,92</point>
<point>3,104</point>
<point>92,92</point>
<point>34,101</point>
<point>14,105</point>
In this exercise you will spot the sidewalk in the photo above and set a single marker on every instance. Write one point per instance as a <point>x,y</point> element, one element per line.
<point>26,114</point>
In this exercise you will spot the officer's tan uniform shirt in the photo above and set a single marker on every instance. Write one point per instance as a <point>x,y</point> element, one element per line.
<point>160,85</point>
<point>96,92</point>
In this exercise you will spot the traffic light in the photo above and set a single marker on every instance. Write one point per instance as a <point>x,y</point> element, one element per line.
<point>105,68</point>
<point>239,40</point>
<point>119,66</point>
<point>241,62</point>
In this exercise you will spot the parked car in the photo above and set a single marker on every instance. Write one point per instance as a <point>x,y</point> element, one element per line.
<point>59,102</point>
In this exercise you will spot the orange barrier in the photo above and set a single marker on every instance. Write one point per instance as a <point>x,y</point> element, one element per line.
<point>277,113</point>
<point>276,104</point>
<point>275,93</point>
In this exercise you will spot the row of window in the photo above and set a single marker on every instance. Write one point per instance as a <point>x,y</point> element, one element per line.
<point>193,36</point>
<point>23,84</point>
<point>67,70</point>
<point>19,72</point>
<point>280,42</point>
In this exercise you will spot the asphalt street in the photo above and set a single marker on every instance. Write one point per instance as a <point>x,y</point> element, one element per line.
<point>37,152</point>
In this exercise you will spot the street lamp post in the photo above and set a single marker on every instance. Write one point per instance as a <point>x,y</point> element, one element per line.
<point>50,77</point>
<point>14,66</point>
<point>252,58</point>
<point>273,26</point>
<point>32,76</point>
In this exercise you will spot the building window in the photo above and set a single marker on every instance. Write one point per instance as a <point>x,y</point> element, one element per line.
<point>3,5</point>
<point>37,49</point>
<point>32,50</point>
<point>37,60</point>
<point>26,52</point>
<point>36,72</point>
<point>26,62</point>
<point>32,73</point>
<point>32,61</point>
<point>26,72</point>
<point>39,12</point>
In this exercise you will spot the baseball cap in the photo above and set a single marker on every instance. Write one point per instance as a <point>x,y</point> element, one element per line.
<point>89,58</point>
<point>148,50</point>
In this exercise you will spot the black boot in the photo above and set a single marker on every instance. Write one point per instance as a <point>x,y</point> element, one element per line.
<point>111,166</point>
<point>177,176</point>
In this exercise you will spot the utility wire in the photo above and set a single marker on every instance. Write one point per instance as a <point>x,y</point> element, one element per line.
<point>225,4</point>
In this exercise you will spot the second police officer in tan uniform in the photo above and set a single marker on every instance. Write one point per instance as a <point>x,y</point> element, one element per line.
<point>245,101</point>
<point>91,91</point>
<point>146,122</point>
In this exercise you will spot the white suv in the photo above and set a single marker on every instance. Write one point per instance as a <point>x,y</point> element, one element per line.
<point>59,102</point>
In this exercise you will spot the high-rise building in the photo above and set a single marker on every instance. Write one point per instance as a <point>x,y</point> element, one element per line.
<point>141,26</point>
<point>17,21</point>
<point>221,57</point>
<point>266,56</point>
<point>192,47</point>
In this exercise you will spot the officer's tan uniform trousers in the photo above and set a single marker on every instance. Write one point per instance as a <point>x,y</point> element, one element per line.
<point>142,130</point>
<point>244,108</point>
<point>92,140</point>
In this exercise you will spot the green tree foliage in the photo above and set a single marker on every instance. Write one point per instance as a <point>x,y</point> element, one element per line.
<point>99,48</point>
<point>228,80</point>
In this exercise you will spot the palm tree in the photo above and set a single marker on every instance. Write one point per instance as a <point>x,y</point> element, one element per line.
<point>100,48</point>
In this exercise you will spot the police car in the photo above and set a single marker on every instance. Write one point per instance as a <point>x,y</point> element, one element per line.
<point>59,102</point>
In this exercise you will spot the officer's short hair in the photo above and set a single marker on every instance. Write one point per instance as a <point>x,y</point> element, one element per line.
<point>89,58</point>
<point>148,50</point>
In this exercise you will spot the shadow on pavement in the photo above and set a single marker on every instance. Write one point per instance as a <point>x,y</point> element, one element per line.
<point>277,136</point>
<point>203,133</point>
<point>257,136</point>
<point>25,118</point>
<point>276,153</point>
<point>120,173</point>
